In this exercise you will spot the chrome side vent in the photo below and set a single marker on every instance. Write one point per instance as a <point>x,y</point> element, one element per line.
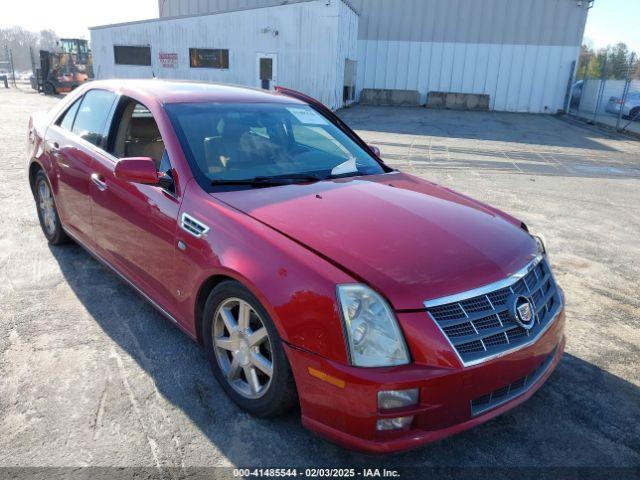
<point>193,226</point>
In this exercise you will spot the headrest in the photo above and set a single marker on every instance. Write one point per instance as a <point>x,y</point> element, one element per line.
<point>233,130</point>
<point>144,127</point>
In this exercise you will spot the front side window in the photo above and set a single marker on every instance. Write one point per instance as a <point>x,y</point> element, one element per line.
<point>132,55</point>
<point>137,133</point>
<point>209,58</point>
<point>235,142</point>
<point>91,119</point>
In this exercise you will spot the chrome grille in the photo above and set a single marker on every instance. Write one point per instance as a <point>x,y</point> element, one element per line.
<point>480,327</point>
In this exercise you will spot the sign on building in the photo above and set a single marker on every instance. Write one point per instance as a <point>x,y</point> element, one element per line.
<point>168,60</point>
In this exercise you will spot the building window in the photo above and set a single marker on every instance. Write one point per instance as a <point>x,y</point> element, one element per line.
<point>209,58</point>
<point>126,55</point>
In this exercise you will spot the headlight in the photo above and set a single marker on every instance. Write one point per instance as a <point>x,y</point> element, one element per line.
<point>542,249</point>
<point>373,335</point>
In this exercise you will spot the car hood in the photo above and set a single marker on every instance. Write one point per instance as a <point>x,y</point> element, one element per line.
<point>410,239</point>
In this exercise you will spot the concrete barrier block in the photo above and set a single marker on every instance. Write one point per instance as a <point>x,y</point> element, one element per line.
<point>458,101</point>
<point>392,98</point>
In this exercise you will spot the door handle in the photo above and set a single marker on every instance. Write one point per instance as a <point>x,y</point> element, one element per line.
<point>95,178</point>
<point>55,147</point>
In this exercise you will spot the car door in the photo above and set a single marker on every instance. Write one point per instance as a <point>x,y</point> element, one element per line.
<point>134,224</point>
<point>72,169</point>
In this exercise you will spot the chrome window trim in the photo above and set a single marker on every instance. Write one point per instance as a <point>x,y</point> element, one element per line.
<point>505,283</point>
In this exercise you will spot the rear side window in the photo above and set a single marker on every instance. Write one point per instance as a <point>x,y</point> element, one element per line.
<point>91,120</point>
<point>66,121</point>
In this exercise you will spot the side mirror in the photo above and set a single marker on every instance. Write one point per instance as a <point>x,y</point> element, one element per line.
<point>375,150</point>
<point>141,170</point>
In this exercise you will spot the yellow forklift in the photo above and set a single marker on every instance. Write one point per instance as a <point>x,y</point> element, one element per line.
<point>64,69</point>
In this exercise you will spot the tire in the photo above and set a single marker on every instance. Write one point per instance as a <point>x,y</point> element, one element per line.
<point>634,114</point>
<point>257,393</point>
<point>47,211</point>
<point>49,89</point>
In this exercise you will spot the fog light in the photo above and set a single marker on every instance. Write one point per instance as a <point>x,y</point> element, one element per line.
<point>394,423</point>
<point>397,398</point>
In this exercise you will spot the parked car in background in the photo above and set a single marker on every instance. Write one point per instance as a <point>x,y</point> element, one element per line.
<point>576,93</point>
<point>394,311</point>
<point>7,74</point>
<point>24,76</point>
<point>631,108</point>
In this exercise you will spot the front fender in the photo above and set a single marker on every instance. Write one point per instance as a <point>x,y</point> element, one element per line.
<point>296,286</point>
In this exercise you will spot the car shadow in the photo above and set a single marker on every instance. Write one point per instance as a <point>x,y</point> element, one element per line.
<point>583,416</point>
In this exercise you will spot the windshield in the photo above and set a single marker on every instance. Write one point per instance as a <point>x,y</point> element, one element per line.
<point>237,142</point>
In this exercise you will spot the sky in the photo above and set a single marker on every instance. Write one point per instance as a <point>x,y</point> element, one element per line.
<point>613,21</point>
<point>58,15</point>
<point>610,21</point>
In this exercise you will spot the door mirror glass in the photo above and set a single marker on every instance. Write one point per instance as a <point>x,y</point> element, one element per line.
<point>137,170</point>
<point>375,150</point>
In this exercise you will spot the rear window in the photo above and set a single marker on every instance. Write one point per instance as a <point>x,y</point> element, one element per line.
<point>91,120</point>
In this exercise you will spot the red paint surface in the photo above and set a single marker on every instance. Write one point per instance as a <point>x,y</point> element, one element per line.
<point>137,170</point>
<point>409,239</point>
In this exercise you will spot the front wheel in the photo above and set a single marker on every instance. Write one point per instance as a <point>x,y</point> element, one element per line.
<point>47,211</point>
<point>246,352</point>
<point>49,89</point>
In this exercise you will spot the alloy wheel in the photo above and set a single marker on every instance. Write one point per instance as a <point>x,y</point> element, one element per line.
<point>243,348</point>
<point>46,207</point>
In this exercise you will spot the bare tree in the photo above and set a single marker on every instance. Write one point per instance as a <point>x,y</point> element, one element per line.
<point>48,40</point>
<point>22,42</point>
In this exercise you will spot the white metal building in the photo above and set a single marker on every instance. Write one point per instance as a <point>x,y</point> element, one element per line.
<point>520,53</point>
<point>306,46</point>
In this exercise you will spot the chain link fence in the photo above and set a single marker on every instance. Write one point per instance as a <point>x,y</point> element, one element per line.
<point>611,96</point>
<point>615,103</point>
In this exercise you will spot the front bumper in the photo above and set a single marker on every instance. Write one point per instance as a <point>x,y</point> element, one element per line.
<point>342,406</point>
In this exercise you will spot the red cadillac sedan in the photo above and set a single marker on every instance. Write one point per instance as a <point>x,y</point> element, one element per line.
<point>394,311</point>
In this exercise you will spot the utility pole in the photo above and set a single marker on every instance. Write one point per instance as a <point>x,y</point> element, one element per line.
<point>13,72</point>
<point>603,82</point>
<point>33,62</point>
<point>9,57</point>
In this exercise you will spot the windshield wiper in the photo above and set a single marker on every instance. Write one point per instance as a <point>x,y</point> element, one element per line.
<point>269,181</point>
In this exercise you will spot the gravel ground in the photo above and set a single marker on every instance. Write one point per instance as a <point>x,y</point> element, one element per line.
<point>90,374</point>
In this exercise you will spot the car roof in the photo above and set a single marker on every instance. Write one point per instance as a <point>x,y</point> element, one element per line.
<point>182,91</point>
